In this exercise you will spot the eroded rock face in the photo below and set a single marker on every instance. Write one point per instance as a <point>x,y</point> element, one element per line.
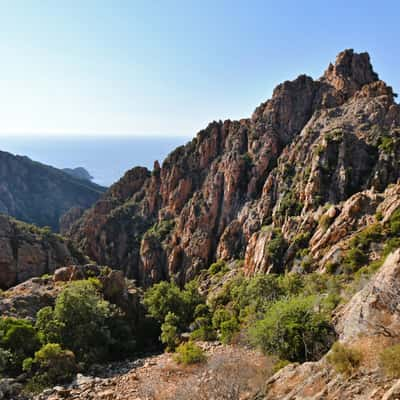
<point>312,143</point>
<point>375,310</point>
<point>27,252</point>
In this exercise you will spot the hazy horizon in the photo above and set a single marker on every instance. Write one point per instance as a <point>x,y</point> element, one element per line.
<point>106,158</point>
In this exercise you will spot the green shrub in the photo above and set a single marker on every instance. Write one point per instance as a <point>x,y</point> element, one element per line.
<point>279,365</point>
<point>53,364</point>
<point>386,145</point>
<point>229,329</point>
<point>84,322</point>
<point>293,330</point>
<point>390,361</point>
<point>165,297</point>
<point>355,258</point>
<point>289,205</point>
<point>276,247</point>
<point>18,337</point>
<point>189,353</point>
<point>391,245</point>
<point>218,266</point>
<point>344,359</point>
<point>325,221</point>
<point>220,315</point>
<point>170,331</point>
<point>395,223</point>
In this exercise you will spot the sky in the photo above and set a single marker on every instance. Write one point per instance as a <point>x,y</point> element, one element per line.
<point>169,67</point>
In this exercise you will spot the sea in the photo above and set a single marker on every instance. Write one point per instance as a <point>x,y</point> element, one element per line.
<point>106,158</point>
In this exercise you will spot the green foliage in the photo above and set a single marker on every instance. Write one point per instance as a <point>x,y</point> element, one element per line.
<point>19,339</point>
<point>52,365</point>
<point>49,329</point>
<point>217,267</point>
<point>355,258</point>
<point>189,353</point>
<point>386,145</point>
<point>390,361</point>
<point>395,223</point>
<point>289,205</point>
<point>165,297</point>
<point>87,324</point>
<point>161,229</point>
<point>83,316</point>
<point>279,365</point>
<point>170,332</point>
<point>293,330</point>
<point>229,329</point>
<point>276,248</point>
<point>325,221</point>
<point>391,245</point>
<point>344,359</point>
<point>220,315</point>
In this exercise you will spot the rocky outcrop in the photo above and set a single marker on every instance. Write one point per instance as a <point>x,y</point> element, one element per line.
<point>237,184</point>
<point>27,251</point>
<point>27,298</point>
<point>375,310</point>
<point>40,194</point>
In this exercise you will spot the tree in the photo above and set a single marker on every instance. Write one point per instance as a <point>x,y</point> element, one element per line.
<point>18,337</point>
<point>293,330</point>
<point>170,332</point>
<point>83,316</point>
<point>52,364</point>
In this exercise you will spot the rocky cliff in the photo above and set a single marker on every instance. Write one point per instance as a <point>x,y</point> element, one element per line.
<point>27,251</point>
<point>313,155</point>
<point>40,194</point>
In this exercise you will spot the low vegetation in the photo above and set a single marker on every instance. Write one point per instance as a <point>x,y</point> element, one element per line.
<point>390,361</point>
<point>344,359</point>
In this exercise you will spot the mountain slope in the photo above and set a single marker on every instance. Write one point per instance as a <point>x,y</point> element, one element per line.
<point>40,194</point>
<point>240,186</point>
<point>27,251</point>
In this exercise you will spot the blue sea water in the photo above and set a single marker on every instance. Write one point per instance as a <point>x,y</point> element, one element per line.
<point>106,158</point>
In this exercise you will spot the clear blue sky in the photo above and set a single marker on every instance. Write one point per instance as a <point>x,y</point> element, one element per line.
<point>169,67</point>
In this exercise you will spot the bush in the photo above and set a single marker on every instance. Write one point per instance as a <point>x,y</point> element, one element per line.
<point>279,365</point>
<point>170,332</point>
<point>229,329</point>
<point>293,330</point>
<point>395,223</point>
<point>218,266</point>
<point>344,359</point>
<point>390,361</point>
<point>19,339</point>
<point>355,258</point>
<point>276,248</point>
<point>165,297</point>
<point>189,353</point>
<point>87,324</point>
<point>52,364</point>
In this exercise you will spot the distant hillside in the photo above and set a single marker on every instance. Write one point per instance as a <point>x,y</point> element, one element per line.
<point>79,172</point>
<point>40,194</point>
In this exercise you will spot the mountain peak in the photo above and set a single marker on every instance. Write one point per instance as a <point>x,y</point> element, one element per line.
<point>350,72</point>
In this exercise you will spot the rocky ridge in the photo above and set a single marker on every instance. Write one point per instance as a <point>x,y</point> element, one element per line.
<point>239,184</point>
<point>40,194</point>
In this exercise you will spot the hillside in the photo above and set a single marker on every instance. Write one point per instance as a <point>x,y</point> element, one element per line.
<point>263,189</point>
<point>40,194</point>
